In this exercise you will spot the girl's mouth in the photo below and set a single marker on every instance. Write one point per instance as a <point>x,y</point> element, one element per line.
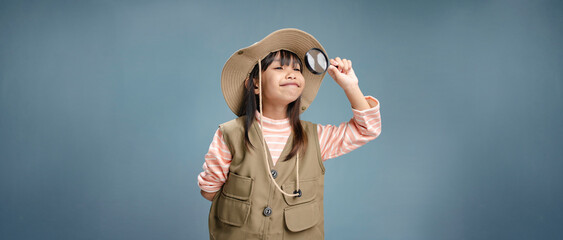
<point>289,84</point>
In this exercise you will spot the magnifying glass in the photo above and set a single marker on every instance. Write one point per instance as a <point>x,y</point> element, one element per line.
<point>316,61</point>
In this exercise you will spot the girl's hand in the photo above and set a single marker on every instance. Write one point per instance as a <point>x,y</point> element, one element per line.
<point>345,77</point>
<point>341,71</point>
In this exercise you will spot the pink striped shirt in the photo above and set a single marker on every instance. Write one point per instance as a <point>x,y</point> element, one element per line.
<point>334,141</point>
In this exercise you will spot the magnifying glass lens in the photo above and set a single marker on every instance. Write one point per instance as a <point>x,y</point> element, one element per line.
<point>316,61</point>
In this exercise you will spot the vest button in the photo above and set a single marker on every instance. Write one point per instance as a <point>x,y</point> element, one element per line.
<point>274,173</point>
<point>267,211</point>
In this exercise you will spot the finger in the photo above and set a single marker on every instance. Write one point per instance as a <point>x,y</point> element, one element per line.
<point>340,63</point>
<point>333,62</point>
<point>336,64</point>
<point>346,65</point>
<point>333,71</point>
<point>338,60</point>
<point>349,65</point>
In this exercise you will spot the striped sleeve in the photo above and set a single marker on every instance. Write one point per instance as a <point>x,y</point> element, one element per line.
<point>216,165</point>
<point>363,127</point>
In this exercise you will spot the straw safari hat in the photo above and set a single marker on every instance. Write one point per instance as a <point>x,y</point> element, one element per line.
<point>237,68</point>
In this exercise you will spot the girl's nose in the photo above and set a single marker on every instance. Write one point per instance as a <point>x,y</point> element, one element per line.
<point>291,75</point>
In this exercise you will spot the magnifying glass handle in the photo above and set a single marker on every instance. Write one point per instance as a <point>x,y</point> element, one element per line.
<point>336,66</point>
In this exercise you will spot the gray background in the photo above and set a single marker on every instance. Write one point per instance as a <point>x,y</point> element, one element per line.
<point>107,109</point>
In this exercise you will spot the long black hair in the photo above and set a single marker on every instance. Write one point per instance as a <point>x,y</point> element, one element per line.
<point>251,102</point>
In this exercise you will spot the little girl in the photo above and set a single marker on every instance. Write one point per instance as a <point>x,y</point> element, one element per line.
<point>264,170</point>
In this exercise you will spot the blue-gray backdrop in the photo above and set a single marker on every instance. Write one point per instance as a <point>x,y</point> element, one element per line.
<point>108,107</point>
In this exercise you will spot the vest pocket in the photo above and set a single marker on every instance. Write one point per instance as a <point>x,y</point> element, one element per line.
<point>308,188</point>
<point>238,187</point>
<point>232,211</point>
<point>302,217</point>
<point>233,205</point>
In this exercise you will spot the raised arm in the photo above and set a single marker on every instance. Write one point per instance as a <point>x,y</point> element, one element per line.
<point>364,126</point>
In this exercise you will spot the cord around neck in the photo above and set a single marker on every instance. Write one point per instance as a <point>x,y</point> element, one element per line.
<point>297,193</point>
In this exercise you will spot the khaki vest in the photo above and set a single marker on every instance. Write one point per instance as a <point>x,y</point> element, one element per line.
<point>239,209</point>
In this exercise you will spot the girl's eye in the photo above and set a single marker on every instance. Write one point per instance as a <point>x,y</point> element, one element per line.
<point>297,69</point>
<point>278,68</point>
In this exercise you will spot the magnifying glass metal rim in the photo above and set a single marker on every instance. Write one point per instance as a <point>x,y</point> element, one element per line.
<point>309,65</point>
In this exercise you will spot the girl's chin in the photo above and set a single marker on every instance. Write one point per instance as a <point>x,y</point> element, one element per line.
<point>292,99</point>
<point>292,96</point>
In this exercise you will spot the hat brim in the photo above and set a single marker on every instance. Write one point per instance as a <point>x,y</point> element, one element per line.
<point>239,65</point>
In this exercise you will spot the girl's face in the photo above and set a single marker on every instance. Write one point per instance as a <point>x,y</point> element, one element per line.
<point>281,84</point>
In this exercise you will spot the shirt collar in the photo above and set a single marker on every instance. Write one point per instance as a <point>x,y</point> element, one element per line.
<point>273,123</point>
